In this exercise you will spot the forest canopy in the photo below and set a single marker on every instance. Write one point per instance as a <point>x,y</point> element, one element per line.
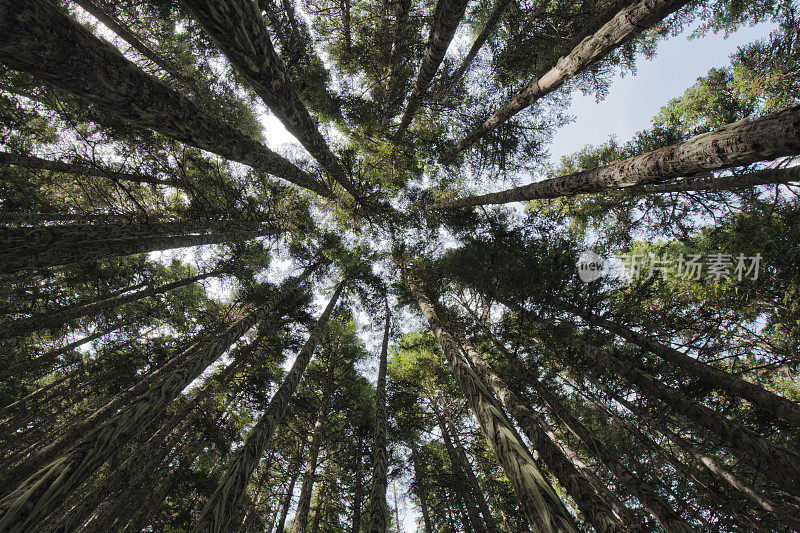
<point>406,316</point>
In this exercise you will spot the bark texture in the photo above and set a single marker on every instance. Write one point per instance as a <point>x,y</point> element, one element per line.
<point>539,500</point>
<point>40,40</point>
<point>379,510</point>
<point>239,30</point>
<point>446,16</point>
<point>46,489</point>
<point>225,501</point>
<point>767,401</point>
<point>623,27</point>
<point>737,144</point>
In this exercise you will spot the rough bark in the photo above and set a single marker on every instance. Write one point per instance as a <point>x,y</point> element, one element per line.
<point>446,17</point>
<point>34,255</point>
<point>357,488</point>
<point>597,511</point>
<point>129,37</point>
<point>125,474</point>
<point>538,499</point>
<point>712,464</point>
<point>42,41</point>
<point>767,176</point>
<point>239,30</point>
<point>50,357</point>
<point>766,401</point>
<point>480,498</point>
<point>422,491</point>
<point>59,317</point>
<point>460,482</point>
<point>781,465</point>
<point>498,10</point>
<point>80,168</point>
<point>379,510</point>
<point>226,499</point>
<point>287,497</point>
<point>741,143</point>
<point>625,25</point>
<point>401,27</point>
<point>304,500</point>
<point>84,453</point>
<point>648,497</point>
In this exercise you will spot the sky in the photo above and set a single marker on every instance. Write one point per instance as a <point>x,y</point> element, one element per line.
<point>633,101</point>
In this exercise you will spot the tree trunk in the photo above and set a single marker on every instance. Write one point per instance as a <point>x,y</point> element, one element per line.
<point>597,511</point>
<point>126,470</point>
<point>287,498</point>
<point>84,453</point>
<point>461,483</point>
<point>422,488</point>
<point>379,510</point>
<point>766,401</point>
<point>239,31</point>
<point>492,22</point>
<point>649,498</point>
<point>59,317</point>
<point>80,168</point>
<point>228,496</point>
<point>24,257</point>
<point>446,17</point>
<point>358,489</point>
<point>304,501</point>
<point>538,499</point>
<point>40,40</point>
<point>401,27</point>
<point>628,23</point>
<point>719,471</point>
<point>49,358</point>
<point>781,465</point>
<point>767,176</point>
<point>737,144</point>
<point>480,499</point>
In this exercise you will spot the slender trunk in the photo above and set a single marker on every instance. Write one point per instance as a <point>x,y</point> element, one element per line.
<point>538,499</point>
<point>78,455</point>
<point>379,511</point>
<point>625,25</point>
<point>59,317</point>
<point>492,22</point>
<point>737,144</point>
<point>767,176</point>
<point>595,509</point>
<point>649,498</point>
<point>128,36</point>
<point>422,488</point>
<point>287,497</point>
<point>40,40</point>
<point>49,358</point>
<point>228,496</point>
<point>37,256</point>
<point>126,470</point>
<point>779,464</point>
<point>719,471</point>
<point>446,17</point>
<point>460,478</point>
<point>466,467</point>
<point>761,398</point>
<point>304,500</point>
<point>358,488</point>
<point>400,29</point>
<point>239,31</point>
<point>79,168</point>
